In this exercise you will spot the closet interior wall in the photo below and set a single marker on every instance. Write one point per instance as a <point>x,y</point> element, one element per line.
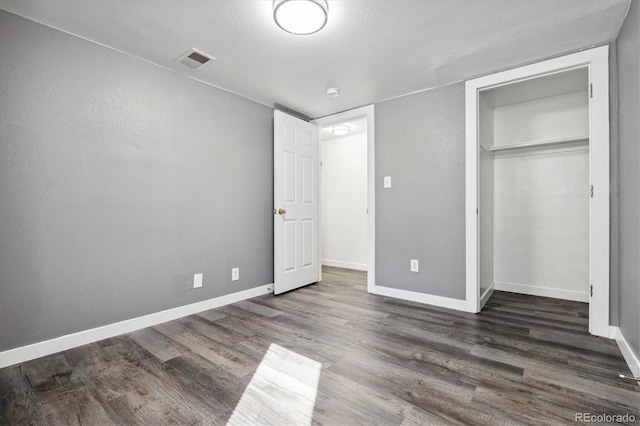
<point>533,187</point>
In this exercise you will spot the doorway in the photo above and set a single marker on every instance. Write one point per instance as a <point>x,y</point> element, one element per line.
<point>343,195</point>
<point>363,142</point>
<point>537,211</point>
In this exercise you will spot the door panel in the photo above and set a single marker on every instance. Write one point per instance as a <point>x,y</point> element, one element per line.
<point>307,179</point>
<point>289,230</point>
<point>289,182</point>
<point>308,241</point>
<point>296,210</point>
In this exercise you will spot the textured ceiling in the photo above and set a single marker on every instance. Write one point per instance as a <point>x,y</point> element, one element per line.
<point>371,49</point>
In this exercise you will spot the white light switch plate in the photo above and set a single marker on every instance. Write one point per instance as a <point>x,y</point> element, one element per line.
<point>197,280</point>
<point>387,181</point>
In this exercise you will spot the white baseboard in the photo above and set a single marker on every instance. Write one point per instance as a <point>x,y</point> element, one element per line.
<point>345,265</point>
<point>48,347</point>
<point>630,356</point>
<point>413,296</point>
<point>487,294</point>
<point>577,296</point>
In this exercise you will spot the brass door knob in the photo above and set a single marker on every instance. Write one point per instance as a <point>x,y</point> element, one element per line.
<point>281,211</point>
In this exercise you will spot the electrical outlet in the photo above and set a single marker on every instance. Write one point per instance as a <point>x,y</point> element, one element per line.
<point>387,182</point>
<point>197,280</point>
<point>235,274</point>
<point>414,265</point>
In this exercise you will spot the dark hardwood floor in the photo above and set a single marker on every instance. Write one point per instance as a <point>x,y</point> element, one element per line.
<point>523,360</point>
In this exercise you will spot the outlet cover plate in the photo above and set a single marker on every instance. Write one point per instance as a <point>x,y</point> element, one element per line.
<point>235,274</point>
<point>197,280</point>
<point>415,266</point>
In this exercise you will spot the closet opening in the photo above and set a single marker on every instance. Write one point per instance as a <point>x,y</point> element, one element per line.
<point>537,191</point>
<point>534,180</point>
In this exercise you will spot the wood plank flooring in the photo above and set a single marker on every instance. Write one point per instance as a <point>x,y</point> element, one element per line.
<point>383,361</point>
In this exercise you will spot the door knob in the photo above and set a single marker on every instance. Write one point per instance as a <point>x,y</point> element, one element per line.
<point>281,211</point>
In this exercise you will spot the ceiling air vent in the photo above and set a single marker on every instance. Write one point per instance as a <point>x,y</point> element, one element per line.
<point>194,59</point>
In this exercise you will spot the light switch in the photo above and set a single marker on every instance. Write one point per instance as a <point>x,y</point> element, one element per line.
<point>197,280</point>
<point>387,181</point>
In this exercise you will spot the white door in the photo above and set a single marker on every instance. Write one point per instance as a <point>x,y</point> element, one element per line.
<point>296,209</point>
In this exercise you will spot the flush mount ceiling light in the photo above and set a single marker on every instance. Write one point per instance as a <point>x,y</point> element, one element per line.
<point>300,17</point>
<point>341,130</point>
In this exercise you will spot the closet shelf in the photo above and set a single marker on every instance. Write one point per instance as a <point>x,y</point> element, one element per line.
<point>574,140</point>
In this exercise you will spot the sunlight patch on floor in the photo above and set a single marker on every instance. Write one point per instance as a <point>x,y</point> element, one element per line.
<point>282,391</point>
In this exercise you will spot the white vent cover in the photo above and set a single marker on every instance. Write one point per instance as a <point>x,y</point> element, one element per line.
<point>194,59</point>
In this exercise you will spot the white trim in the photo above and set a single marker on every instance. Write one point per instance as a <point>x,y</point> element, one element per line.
<point>533,290</point>
<point>52,346</point>
<point>482,75</point>
<point>597,60</point>
<point>487,294</point>
<point>630,356</point>
<point>413,296</point>
<point>545,67</point>
<point>369,112</point>
<point>599,221</point>
<point>613,330</point>
<point>471,198</point>
<point>345,265</point>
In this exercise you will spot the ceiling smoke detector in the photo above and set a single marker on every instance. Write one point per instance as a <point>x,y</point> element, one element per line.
<point>333,92</point>
<point>194,59</point>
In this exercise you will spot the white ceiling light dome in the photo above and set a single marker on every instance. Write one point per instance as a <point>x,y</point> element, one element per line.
<point>341,130</point>
<point>300,17</point>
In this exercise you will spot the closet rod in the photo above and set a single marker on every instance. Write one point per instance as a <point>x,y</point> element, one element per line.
<point>540,143</point>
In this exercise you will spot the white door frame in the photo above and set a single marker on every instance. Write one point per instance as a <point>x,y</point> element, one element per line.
<point>366,111</point>
<point>597,61</point>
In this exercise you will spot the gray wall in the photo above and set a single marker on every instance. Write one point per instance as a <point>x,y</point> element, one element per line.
<point>118,181</point>
<point>420,143</point>
<point>628,57</point>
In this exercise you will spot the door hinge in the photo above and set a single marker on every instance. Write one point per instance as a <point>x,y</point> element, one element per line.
<point>476,210</point>
<point>591,290</point>
<point>591,90</point>
<point>591,191</point>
